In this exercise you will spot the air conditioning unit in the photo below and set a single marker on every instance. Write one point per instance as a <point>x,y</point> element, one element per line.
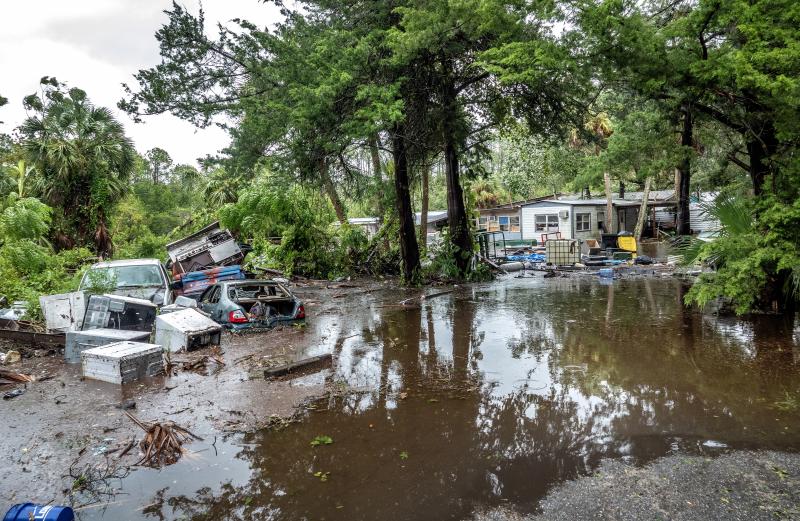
<point>563,214</point>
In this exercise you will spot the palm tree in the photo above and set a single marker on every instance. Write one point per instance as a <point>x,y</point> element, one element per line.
<point>83,160</point>
<point>221,188</point>
<point>20,173</point>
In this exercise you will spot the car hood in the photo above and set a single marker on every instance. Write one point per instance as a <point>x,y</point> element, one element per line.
<point>154,294</point>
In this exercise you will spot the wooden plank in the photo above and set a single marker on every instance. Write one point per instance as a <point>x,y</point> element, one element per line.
<point>306,363</point>
<point>34,338</point>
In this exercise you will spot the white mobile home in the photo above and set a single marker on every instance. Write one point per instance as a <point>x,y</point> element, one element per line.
<point>572,219</point>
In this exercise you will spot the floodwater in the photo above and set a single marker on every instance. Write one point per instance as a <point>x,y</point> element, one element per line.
<point>490,396</point>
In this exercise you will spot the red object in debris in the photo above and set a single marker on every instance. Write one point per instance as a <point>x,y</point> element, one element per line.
<point>301,312</point>
<point>237,317</point>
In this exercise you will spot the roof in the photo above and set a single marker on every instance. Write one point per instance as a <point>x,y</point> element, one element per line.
<point>360,221</point>
<point>582,202</point>
<point>653,196</point>
<point>364,220</point>
<point>433,216</point>
<point>127,262</point>
<point>516,204</point>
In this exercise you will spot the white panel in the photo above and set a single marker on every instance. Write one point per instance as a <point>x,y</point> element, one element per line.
<point>63,312</point>
<point>528,224</point>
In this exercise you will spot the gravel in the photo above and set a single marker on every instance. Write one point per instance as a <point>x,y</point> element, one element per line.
<point>741,485</point>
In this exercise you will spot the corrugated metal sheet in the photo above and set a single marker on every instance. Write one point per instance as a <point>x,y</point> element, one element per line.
<point>699,221</point>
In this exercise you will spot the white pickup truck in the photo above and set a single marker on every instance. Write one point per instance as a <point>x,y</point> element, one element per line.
<point>140,278</point>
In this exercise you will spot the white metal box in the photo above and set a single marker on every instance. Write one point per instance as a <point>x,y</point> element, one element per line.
<point>186,330</point>
<point>79,341</point>
<point>122,362</point>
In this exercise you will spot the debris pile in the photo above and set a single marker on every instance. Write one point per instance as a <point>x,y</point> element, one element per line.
<point>163,441</point>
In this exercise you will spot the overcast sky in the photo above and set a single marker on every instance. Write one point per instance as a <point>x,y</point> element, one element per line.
<point>99,44</point>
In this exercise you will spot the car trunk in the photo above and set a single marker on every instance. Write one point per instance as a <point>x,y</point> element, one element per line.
<point>282,306</point>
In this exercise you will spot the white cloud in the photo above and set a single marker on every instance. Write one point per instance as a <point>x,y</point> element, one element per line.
<point>99,44</point>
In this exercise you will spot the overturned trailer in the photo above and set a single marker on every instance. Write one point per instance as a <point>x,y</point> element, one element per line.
<point>210,247</point>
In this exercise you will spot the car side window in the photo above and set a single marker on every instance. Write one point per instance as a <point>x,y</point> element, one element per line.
<point>214,298</point>
<point>207,294</point>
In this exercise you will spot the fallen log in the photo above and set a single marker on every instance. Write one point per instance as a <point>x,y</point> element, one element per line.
<point>306,363</point>
<point>34,338</point>
<point>423,298</point>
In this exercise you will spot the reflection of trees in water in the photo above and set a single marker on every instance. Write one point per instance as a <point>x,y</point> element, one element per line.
<point>657,373</point>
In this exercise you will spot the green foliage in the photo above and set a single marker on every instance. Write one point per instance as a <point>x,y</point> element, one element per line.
<point>26,218</point>
<point>28,270</point>
<point>321,440</point>
<point>443,265</point>
<point>290,229</point>
<point>756,257</point>
<point>99,282</point>
<point>531,166</point>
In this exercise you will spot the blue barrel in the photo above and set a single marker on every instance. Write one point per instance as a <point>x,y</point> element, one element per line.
<point>33,512</point>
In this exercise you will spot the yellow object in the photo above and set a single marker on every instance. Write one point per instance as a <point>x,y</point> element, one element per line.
<point>627,243</point>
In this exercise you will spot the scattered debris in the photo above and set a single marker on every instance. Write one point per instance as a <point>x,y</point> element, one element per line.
<point>10,357</point>
<point>11,377</point>
<point>126,405</point>
<point>201,363</point>
<point>96,481</point>
<point>163,441</point>
<point>13,394</point>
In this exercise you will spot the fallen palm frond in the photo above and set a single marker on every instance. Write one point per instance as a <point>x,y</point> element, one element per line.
<point>201,363</point>
<point>163,441</point>
<point>12,377</point>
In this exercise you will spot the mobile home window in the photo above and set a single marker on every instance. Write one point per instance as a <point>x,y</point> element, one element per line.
<point>504,223</point>
<point>482,222</point>
<point>601,219</point>
<point>546,223</point>
<point>515,223</point>
<point>583,222</point>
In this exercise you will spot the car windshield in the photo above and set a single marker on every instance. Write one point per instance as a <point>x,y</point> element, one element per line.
<point>124,276</point>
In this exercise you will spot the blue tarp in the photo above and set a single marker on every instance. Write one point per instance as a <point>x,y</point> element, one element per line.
<point>531,257</point>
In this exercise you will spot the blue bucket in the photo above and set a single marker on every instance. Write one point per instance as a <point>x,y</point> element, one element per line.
<point>31,511</point>
<point>606,273</point>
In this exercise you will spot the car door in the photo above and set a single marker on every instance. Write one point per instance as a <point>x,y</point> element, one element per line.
<point>208,301</point>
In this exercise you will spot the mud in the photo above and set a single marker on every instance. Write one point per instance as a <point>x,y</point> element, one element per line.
<point>486,397</point>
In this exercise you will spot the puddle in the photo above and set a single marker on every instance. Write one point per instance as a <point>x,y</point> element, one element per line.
<point>490,396</point>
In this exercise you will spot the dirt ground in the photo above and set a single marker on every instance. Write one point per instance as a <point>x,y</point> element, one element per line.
<point>68,421</point>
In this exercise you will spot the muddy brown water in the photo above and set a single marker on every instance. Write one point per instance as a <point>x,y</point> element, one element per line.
<point>490,396</point>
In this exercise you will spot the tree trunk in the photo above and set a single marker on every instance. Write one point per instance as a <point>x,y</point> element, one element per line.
<point>409,250</point>
<point>760,148</point>
<point>377,172</point>
<point>456,210</point>
<point>637,232</point>
<point>683,173</point>
<point>609,204</point>
<point>423,216</point>
<point>327,183</point>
